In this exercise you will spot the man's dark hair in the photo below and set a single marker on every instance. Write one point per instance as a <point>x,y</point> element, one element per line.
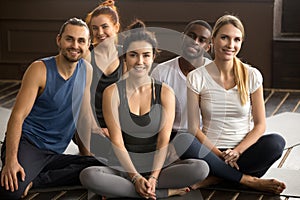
<point>198,22</point>
<point>73,21</point>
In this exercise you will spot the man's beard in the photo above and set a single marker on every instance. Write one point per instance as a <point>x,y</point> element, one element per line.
<point>70,59</point>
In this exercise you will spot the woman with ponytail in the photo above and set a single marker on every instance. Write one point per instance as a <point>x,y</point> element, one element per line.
<point>139,113</point>
<point>104,55</point>
<point>108,68</point>
<point>229,95</point>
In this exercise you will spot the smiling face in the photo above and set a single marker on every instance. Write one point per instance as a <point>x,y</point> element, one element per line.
<point>103,27</point>
<point>196,41</point>
<point>139,58</point>
<point>74,42</point>
<point>227,42</point>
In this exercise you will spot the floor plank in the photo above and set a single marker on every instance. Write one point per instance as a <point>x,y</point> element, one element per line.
<point>271,197</point>
<point>290,103</point>
<point>273,104</point>
<point>226,195</point>
<point>46,195</point>
<point>206,193</point>
<point>247,196</point>
<point>74,194</point>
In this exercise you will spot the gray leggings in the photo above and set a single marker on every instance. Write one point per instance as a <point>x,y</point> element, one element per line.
<point>113,183</point>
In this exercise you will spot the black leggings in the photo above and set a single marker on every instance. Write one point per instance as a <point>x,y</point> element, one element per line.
<point>45,168</point>
<point>255,161</point>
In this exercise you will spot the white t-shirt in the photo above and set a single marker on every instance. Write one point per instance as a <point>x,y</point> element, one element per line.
<point>170,73</point>
<point>225,120</point>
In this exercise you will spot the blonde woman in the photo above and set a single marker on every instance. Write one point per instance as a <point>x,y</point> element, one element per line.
<point>229,95</point>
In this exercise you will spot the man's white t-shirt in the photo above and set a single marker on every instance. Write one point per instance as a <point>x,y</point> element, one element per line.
<point>170,73</point>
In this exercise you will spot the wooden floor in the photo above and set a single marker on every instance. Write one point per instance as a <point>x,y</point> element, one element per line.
<point>276,101</point>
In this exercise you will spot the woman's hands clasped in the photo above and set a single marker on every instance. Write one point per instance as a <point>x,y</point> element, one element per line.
<point>230,157</point>
<point>144,187</point>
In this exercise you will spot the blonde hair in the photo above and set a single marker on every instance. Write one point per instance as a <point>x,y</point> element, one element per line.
<point>239,69</point>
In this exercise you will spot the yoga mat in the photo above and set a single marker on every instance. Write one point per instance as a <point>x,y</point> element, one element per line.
<point>4,116</point>
<point>286,124</point>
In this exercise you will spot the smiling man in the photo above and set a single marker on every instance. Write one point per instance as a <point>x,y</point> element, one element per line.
<point>195,43</point>
<point>53,98</point>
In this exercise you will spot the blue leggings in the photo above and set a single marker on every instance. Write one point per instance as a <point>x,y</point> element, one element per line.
<point>255,161</point>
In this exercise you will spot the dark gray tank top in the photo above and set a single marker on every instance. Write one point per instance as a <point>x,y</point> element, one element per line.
<point>140,131</point>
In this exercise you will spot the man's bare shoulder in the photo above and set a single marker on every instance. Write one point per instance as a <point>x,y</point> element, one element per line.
<point>36,69</point>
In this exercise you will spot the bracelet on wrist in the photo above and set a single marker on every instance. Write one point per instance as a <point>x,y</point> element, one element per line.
<point>134,178</point>
<point>153,177</point>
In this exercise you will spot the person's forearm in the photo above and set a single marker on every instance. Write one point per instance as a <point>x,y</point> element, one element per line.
<point>204,140</point>
<point>250,139</point>
<point>83,133</point>
<point>159,160</point>
<point>125,160</point>
<point>85,124</point>
<point>13,135</point>
<point>160,156</point>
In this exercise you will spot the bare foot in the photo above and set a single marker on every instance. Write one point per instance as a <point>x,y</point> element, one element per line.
<point>29,186</point>
<point>210,180</point>
<point>265,185</point>
<point>180,192</point>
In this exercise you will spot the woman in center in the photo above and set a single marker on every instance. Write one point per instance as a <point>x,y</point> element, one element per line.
<point>139,113</point>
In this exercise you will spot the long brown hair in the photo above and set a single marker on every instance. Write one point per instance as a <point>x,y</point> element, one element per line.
<point>239,69</point>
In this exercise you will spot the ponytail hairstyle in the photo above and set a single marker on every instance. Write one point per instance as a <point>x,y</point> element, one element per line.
<point>137,32</point>
<point>105,8</point>
<point>239,69</point>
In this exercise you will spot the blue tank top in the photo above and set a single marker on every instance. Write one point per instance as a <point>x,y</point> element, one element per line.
<point>50,124</point>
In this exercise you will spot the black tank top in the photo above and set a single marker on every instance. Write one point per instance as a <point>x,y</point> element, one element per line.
<point>139,132</point>
<point>99,83</point>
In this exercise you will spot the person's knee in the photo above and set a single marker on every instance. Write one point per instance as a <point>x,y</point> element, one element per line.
<point>273,146</point>
<point>86,175</point>
<point>182,141</point>
<point>278,143</point>
<point>200,169</point>
<point>186,145</point>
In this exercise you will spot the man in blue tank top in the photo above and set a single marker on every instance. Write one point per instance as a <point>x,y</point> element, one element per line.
<point>53,103</point>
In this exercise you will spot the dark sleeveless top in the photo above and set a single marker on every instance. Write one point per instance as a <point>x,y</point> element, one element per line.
<point>99,82</point>
<point>140,132</point>
<point>51,122</point>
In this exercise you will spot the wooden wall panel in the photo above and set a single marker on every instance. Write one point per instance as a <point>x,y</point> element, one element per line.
<point>21,19</point>
<point>286,63</point>
<point>25,39</point>
<point>257,16</point>
<point>28,30</point>
<point>291,18</point>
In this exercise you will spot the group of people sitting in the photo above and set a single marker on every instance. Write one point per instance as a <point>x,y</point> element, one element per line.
<point>184,124</point>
